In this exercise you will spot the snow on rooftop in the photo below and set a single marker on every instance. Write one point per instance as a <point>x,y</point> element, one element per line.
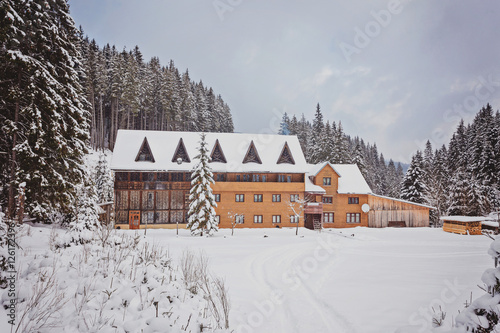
<point>350,181</point>
<point>463,218</point>
<point>311,188</point>
<point>234,146</point>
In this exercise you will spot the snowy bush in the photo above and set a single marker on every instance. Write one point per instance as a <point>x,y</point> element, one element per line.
<point>121,284</point>
<point>483,314</point>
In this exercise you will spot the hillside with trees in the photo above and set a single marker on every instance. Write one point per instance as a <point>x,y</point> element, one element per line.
<point>464,177</point>
<point>127,92</point>
<point>326,141</point>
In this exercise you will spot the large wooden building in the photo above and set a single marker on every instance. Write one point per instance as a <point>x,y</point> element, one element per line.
<point>260,181</point>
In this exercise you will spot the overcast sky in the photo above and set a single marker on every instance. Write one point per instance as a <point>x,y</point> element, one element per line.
<point>393,72</point>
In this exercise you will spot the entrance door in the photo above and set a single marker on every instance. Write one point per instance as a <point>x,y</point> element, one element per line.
<point>134,219</point>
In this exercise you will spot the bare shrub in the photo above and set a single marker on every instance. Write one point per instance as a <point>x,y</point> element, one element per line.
<point>41,308</point>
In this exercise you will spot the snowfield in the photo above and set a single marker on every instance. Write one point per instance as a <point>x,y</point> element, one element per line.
<point>350,280</point>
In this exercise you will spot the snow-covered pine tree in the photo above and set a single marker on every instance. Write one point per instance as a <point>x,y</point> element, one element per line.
<point>284,125</point>
<point>413,187</point>
<point>48,148</point>
<point>458,199</point>
<point>103,180</point>
<point>483,315</point>
<point>393,180</point>
<point>85,222</point>
<point>201,214</point>
<point>359,159</point>
<point>314,144</point>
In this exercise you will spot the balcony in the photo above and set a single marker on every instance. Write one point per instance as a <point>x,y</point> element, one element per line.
<point>314,208</point>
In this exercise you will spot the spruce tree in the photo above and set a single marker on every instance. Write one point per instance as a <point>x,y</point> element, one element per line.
<point>284,125</point>
<point>314,144</point>
<point>413,187</point>
<point>201,214</point>
<point>49,124</point>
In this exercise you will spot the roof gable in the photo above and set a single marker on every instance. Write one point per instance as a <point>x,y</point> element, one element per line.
<point>217,154</point>
<point>252,156</point>
<point>144,154</point>
<point>181,153</point>
<point>234,146</point>
<point>286,155</point>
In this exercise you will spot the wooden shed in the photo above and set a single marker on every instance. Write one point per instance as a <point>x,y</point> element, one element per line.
<point>391,212</point>
<point>464,225</point>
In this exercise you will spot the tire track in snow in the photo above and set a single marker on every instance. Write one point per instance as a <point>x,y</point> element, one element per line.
<point>287,259</point>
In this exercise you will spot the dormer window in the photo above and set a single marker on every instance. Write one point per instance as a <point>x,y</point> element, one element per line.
<point>145,154</point>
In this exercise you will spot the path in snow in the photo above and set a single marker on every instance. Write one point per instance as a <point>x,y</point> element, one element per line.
<point>375,281</point>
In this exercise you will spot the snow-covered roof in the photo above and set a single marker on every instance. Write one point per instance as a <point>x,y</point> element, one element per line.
<point>463,218</point>
<point>350,178</point>
<point>163,146</point>
<point>311,188</point>
<point>401,200</point>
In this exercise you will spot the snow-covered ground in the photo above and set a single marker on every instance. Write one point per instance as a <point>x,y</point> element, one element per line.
<point>352,280</point>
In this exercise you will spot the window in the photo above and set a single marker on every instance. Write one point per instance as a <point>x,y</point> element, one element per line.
<point>257,219</point>
<point>264,178</point>
<point>162,177</point>
<point>221,177</point>
<point>255,178</point>
<point>217,197</point>
<point>177,177</point>
<point>281,178</point>
<point>121,176</point>
<point>289,179</point>
<point>257,197</point>
<point>327,200</point>
<point>240,197</point>
<point>327,181</point>
<point>294,197</point>
<point>328,217</point>
<point>353,218</point>
<point>276,197</point>
<point>217,219</point>
<point>238,178</point>
<point>135,177</point>
<point>246,178</point>
<point>294,219</point>
<point>276,218</point>
<point>240,219</point>
<point>353,201</point>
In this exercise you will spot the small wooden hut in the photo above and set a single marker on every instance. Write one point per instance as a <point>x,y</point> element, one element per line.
<point>464,225</point>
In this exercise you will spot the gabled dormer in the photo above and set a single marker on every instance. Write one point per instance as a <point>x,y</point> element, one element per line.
<point>286,155</point>
<point>252,156</point>
<point>217,153</point>
<point>145,154</point>
<point>181,154</point>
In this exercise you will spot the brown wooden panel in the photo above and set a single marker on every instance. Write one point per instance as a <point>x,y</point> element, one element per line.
<point>176,199</point>
<point>135,199</point>
<point>148,200</point>
<point>122,200</point>
<point>162,201</point>
<point>176,216</point>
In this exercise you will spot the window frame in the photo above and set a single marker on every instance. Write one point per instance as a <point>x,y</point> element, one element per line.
<point>258,198</point>
<point>327,181</point>
<point>276,197</point>
<point>355,216</point>
<point>294,219</point>
<point>276,218</point>
<point>329,201</point>
<point>239,198</point>
<point>217,197</point>
<point>258,219</point>
<point>353,200</point>
<point>328,217</point>
<point>294,197</point>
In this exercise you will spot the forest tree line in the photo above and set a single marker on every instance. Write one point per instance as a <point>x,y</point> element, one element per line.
<point>326,141</point>
<point>462,178</point>
<point>126,92</point>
